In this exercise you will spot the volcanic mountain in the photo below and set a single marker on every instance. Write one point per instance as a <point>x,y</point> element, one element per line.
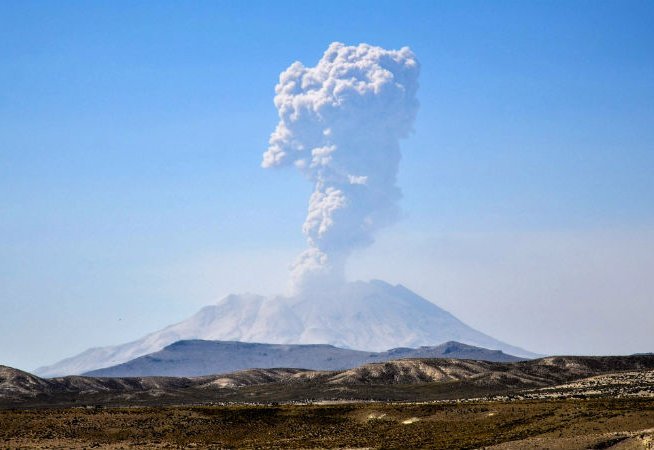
<point>371,316</point>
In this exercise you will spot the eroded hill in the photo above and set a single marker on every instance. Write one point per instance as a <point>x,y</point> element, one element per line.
<point>401,380</point>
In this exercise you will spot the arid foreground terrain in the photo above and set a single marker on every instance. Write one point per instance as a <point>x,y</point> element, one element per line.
<point>554,403</point>
<point>553,424</point>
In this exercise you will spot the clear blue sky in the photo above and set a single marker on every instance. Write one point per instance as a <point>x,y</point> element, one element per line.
<point>131,135</point>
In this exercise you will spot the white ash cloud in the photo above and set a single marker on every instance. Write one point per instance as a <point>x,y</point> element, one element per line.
<point>340,124</point>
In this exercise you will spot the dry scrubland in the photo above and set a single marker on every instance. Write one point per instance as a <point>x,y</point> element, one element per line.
<point>563,424</point>
<point>553,403</point>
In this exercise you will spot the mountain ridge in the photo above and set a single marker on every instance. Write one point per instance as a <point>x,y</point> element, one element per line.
<point>420,379</point>
<point>200,357</point>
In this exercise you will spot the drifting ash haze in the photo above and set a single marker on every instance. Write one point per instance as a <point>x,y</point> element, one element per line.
<point>340,124</point>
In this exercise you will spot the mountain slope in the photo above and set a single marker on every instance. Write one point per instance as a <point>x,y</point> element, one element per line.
<point>15,383</point>
<point>406,379</point>
<point>373,316</point>
<point>197,357</point>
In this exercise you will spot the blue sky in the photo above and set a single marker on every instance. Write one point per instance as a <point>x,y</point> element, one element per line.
<point>131,191</point>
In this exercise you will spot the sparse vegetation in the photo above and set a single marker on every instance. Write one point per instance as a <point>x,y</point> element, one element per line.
<point>597,423</point>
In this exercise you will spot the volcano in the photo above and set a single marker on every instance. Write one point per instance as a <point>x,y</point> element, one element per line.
<point>371,316</point>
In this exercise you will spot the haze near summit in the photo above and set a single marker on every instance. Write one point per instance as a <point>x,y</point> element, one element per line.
<point>340,123</point>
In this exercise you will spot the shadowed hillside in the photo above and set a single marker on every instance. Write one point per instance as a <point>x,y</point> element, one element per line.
<point>197,358</point>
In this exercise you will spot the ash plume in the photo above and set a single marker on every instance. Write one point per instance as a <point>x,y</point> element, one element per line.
<point>340,123</point>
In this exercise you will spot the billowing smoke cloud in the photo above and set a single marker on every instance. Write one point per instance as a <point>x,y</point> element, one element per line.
<point>340,124</point>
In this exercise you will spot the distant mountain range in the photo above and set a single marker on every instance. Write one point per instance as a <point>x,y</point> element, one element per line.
<point>196,357</point>
<point>371,316</point>
<point>406,379</point>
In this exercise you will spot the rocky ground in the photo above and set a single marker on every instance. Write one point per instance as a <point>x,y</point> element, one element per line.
<point>633,384</point>
<point>554,424</point>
